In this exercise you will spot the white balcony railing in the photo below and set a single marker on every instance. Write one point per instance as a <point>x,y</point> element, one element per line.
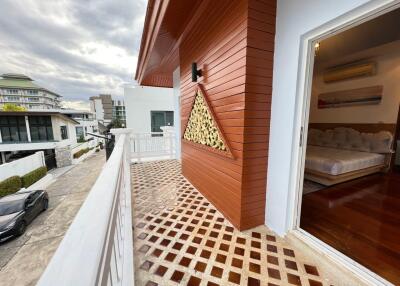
<point>98,248</point>
<point>152,146</point>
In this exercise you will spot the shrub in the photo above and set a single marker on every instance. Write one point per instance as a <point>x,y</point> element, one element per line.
<point>33,177</point>
<point>81,139</point>
<point>10,185</point>
<point>80,153</point>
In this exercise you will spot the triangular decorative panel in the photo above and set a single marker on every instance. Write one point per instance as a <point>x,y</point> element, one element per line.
<point>202,130</point>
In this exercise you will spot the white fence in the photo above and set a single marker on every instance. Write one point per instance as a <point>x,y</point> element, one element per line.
<point>22,166</point>
<point>98,248</point>
<point>152,146</point>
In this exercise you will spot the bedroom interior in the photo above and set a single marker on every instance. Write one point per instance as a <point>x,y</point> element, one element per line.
<point>351,186</point>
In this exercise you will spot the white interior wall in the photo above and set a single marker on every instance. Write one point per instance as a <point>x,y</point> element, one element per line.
<point>140,100</point>
<point>294,19</point>
<point>388,71</point>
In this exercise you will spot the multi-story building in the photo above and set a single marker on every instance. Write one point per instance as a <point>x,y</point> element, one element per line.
<point>118,111</point>
<point>87,122</point>
<point>102,107</point>
<point>20,90</point>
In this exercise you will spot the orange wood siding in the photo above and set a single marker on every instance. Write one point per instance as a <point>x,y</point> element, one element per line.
<point>260,53</point>
<point>233,45</point>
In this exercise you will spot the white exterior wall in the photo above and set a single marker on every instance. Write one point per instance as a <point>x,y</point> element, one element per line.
<point>140,100</point>
<point>294,19</point>
<point>96,106</point>
<point>22,166</point>
<point>177,112</point>
<point>90,125</point>
<point>57,122</point>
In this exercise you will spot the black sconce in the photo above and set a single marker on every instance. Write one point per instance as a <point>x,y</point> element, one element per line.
<point>195,72</point>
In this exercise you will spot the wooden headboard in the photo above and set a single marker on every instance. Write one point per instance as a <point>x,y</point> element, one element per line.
<point>361,127</point>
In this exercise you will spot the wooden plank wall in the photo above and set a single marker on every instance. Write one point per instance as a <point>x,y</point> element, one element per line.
<point>232,45</point>
<point>260,53</point>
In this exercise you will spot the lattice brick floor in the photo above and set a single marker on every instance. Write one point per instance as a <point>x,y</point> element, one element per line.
<point>181,239</point>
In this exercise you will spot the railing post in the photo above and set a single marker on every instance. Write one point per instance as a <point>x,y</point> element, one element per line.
<point>117,133</point>
<point>169,133</point>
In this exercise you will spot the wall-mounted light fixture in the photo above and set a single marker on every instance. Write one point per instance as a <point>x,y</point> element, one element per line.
<point>195,72</point>
<point>316,48</point>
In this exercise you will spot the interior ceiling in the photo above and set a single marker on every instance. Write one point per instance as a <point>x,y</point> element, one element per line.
<point>379,31</point>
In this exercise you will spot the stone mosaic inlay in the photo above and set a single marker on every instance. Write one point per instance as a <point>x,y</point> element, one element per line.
<point>181,239</point>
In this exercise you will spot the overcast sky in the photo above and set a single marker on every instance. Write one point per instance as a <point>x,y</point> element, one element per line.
<point>77,48</point>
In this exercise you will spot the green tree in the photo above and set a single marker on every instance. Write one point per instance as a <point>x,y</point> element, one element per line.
<point>13,107</point>
<point>115,123</point>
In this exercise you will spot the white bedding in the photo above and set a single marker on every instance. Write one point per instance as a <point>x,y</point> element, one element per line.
<point>337,161</point>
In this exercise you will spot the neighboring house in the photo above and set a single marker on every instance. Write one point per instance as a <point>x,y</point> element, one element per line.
<point>148,108</point>
<point>102,106</point>
<point>20,90</point>
<point>87,122</point>
<point>118,111</point>
<point>24,133</point>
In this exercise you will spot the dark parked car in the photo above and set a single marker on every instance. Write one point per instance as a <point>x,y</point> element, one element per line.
<point>20,209</point>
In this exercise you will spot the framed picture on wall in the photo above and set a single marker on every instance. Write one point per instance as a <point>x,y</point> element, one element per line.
<point>353,97</point>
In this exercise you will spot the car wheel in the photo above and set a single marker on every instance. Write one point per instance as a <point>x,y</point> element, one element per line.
<point>21,228</point>
<point>45,204</point>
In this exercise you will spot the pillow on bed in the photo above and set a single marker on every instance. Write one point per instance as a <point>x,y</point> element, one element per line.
<point>355,141</point>
<point>327,139</point>
<point>381,142</point>
<point>340,138</point>
<point>314,137</point>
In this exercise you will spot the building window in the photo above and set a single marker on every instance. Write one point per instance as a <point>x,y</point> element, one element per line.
<point>79,131</point>
<point>64,133</point>
<point>12,91</point>
<point>161,118</point>
<point>13,129</point>
<point>41,128</point>
<point>33,98</point>
<point>32,92</point>
<point>13,98</point>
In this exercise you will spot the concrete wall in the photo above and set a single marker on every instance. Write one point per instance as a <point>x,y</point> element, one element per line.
<point>22,166</point>
<point>140,100</point>
<point>294,19</point>
<point>387,58</point>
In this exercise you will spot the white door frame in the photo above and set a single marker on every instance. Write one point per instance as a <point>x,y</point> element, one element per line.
<point>353,18</point>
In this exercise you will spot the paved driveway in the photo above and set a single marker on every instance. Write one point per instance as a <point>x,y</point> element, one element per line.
<point>23,260</point>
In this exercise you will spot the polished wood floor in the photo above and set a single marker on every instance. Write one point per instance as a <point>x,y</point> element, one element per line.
<point>361,219</point>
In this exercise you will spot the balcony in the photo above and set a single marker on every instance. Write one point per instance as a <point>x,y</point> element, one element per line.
<point>178,237</point>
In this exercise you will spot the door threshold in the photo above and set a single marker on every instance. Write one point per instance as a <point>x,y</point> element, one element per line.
<point>339,259</point>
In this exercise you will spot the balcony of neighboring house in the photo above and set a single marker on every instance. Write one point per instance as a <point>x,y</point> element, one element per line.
<point>153,227</point>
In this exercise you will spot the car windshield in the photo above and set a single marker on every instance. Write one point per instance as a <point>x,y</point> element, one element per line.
<point>10,207</point>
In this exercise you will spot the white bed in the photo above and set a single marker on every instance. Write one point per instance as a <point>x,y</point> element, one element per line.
<point>337,161</point>
<point>342,154</point>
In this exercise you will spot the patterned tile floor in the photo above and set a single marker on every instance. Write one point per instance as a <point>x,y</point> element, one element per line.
<point>181,239</point>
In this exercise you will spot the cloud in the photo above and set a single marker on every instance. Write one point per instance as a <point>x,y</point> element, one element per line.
<point>75,48</point>
<point>76,104</point>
